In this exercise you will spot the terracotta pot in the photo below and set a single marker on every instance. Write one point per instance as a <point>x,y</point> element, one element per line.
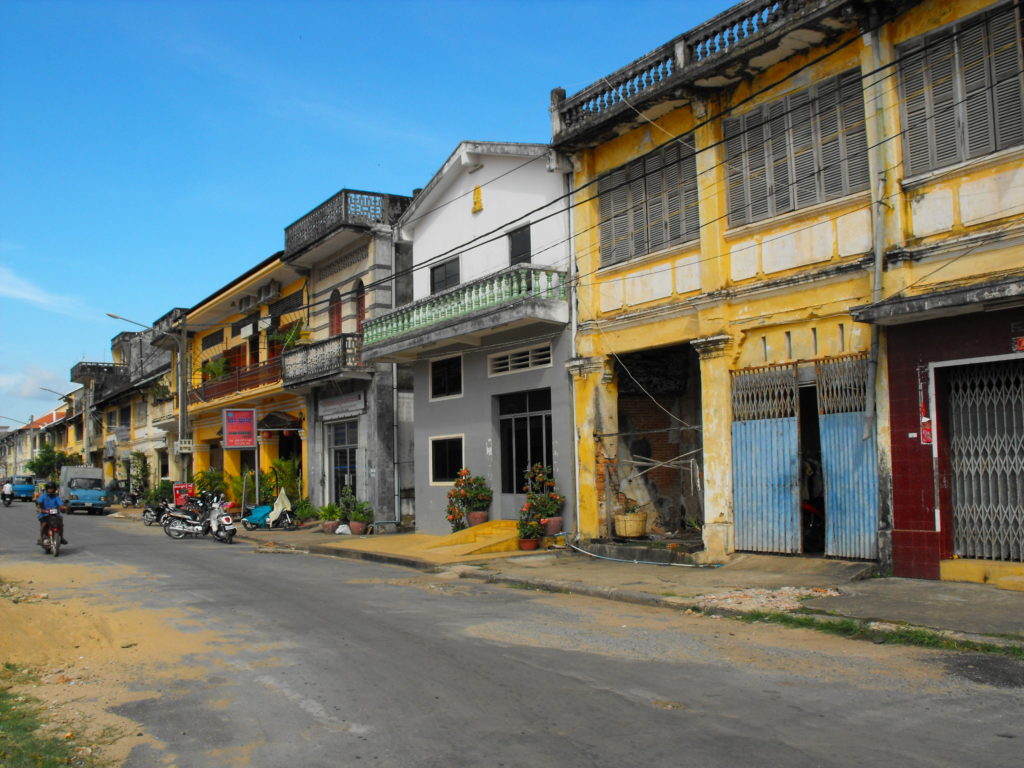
<point>553,526</point>
<point>331,526</point>
<point>477,517</point>
<point>528,544</point>
<point>357,528</point>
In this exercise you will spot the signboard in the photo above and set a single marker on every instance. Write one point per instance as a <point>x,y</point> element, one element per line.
<point>1018,344</point>
<point>183,446</point>
<point>239,428</point>
<point>183,491</point>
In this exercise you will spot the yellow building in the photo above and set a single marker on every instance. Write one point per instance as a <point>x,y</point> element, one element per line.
<point>737,192</point>
<point>236,338</point>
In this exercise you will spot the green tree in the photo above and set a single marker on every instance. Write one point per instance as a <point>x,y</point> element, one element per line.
<point>48,461</point>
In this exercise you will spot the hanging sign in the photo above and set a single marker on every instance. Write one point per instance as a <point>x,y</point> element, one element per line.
<point>239,428</point>
<point>926,426</point>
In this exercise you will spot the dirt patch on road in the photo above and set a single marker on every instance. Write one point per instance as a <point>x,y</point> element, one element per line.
<point>91,657</point>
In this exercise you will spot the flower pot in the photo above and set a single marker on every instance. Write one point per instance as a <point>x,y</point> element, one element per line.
<point>357,528</point>
<point>477,517</point>
<point>630,526</point>
<point>528,544</point>
<point>330,526</point>
<point>552,526</point>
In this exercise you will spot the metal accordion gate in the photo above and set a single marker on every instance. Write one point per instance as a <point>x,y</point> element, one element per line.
<point>848,457</point>
<point>765,459</point>
<point>986,452</point>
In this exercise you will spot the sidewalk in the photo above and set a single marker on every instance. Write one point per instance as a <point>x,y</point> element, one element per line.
<point>828,588</point>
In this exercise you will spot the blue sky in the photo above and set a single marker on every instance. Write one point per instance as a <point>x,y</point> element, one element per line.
<point>150,152</point>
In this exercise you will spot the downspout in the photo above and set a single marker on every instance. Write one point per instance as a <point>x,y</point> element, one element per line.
<point>396,457</point>
<point>876,160</point>
<point>573,327</point>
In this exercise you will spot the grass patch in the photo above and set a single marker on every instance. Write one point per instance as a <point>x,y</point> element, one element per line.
<point>859,630</point>
<point>24,742</point>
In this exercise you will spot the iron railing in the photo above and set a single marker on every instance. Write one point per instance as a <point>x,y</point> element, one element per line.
<point>349,207</point>
<point>513,284</point>
<point>248,377</point>
<point>322,358</point>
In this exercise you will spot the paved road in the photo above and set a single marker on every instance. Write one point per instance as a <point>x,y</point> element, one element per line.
<point>345,663</point>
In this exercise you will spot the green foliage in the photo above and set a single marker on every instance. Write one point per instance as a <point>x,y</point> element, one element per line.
<point>329,512</point>
<point>214,368</point>
<point>529,529</point>
<point>48,461</point>
<point>287,474</point>
<point>159,390</point>
<point>468,494</point>
<point>290,337</point>
<point>353,509</point>
<point>210,481</point>
<point>235,485</point>
<point>303,509</point>
<point>162,491</point>
<point>541,503</point>
<point>138,476</point>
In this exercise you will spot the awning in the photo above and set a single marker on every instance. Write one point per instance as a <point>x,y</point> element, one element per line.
<point>981,297</point>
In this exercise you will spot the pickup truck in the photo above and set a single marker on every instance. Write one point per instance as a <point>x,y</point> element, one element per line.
<point>82,490</point>
<point>24,487</point>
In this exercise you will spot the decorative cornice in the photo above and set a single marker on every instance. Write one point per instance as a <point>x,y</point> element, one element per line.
<point>711,347</point>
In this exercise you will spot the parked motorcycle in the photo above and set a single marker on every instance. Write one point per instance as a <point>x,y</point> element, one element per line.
<point>130,499</point>
<point>154,513</point>
<point>210,517</point>
<point>277,516</point>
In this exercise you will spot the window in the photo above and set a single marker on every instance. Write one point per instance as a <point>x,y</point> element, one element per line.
<point>236,357</point>
<point>445,458</point>
<point>334,314</point>
<point>524,420</point>
<point>289,303</point>
<point>444,276</point>
<point>650,203</point>
<point>211,340</point>
<point>445,378</point>
<point>519,246</point>
<point>962,92</point>
<point>360,306</point>
<point>806,148</point>
<point>111,420</point>
<point>125,416</point>
<point>519,360</point>
<point>344,436</point>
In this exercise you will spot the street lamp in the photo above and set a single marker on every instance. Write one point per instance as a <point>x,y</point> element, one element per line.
<point>182,340</point>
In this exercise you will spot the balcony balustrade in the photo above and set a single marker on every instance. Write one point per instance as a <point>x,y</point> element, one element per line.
<point>321,359</point>
<point>162,411</point>
<point>349,207</point>
<point>239,380</point>
<point>510,285</point>
<point>691,58</point>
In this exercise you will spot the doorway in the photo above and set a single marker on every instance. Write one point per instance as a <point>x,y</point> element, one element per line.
<point>812,481</point>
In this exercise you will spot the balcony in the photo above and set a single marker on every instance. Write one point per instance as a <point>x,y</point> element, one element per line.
<point>239,380</point>
<point>163,412</point>
<point>748,38</point>
<point>323,359</point>
<point>519,298</point>
<point>348,208</point>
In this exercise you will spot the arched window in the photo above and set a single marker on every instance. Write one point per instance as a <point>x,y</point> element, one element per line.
<point>334,313</point>
<point>360,306</point>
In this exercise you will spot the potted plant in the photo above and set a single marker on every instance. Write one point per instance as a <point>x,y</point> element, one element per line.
<point>542,503</point>
<point>357,513</point>
<point>630,521</point>
<point>330,517</point>
<point>468,500</point>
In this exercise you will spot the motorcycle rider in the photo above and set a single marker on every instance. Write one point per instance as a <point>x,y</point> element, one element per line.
<point>8,492</point>
<point>50,500</point>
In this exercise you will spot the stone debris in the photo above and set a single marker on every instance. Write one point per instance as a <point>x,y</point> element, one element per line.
<point>749,600</point>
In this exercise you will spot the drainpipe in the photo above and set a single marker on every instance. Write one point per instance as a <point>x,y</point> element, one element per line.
<point>395,462</point>
<point>876,160</point>
<point>573,323</point>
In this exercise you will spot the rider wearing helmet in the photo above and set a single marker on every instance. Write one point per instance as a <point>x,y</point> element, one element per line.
<point>50,500</point>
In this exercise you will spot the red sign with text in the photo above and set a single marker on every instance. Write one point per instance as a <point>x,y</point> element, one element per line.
<point>239,428</point>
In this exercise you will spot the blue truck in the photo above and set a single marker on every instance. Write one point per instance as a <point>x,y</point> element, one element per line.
<point>24,487</point>
<point>82,490</point>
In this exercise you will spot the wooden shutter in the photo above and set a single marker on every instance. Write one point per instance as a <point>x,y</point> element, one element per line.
<point>979,132</point>
<point>918,132</point>
<point>614,224</point>
<point>805,183</point>
<point>675,181</point>
<point>758,180</point>
<point>941,73</point>
<point>855,136</point>
<point>691,211</point>
<point>637,240</point>
<point>734,159</point>
<point>1005,40</point>
<point>782,192</point>
<point>830,146</point>
<point>656,213</point>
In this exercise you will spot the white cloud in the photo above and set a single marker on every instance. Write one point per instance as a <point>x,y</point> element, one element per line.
<point>19,289</point>
<point>27,384</point>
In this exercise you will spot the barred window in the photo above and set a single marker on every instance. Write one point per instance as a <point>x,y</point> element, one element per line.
<point>211,340</point>
<point>289,303</point>
<point>650,203</point>
<point>803,149</point>
<point>962,91</point>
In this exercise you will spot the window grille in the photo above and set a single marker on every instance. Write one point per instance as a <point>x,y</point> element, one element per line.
<point>962,91</point>
<point>519,360</point>
<point>803,149</point>
<point>289,303</point>
<point>650,203</point>
<point>211,340</point>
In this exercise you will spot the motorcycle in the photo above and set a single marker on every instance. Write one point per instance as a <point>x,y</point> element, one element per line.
<point>154,513</point>
<point>130,499</point>
<point>278,516</point>
<point>7,498</point>
<point>209,518</point>
<point>51,535</point>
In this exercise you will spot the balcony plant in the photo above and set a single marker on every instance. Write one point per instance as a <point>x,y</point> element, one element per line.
<point>469,499</point>
<point>214,368</point>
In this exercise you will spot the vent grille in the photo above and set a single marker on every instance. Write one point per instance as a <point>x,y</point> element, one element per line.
<point>520,360</point>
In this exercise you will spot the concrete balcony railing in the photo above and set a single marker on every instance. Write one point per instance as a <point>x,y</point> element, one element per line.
<point>518,284</point>
<point>239,380</point>
<point>322,359</point>
<point>350,207</point>
<point>162,412</point>
<point>708,56</point>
